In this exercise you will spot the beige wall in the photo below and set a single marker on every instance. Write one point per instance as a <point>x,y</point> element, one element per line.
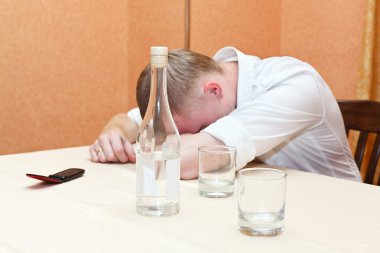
<point>329,35</point>
<point>251,26</point>
<point>62,71</point>
<point>67,66</point>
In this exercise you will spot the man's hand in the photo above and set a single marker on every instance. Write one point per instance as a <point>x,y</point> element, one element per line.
<point>112,146</point>
<point>115,142</point>
<point>115,145</point>
<point>189,152</point>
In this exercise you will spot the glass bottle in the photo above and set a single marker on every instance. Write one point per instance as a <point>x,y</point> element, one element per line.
<point>158,147</point>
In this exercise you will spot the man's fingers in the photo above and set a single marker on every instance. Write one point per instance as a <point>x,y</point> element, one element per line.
<point>107,155</point>
<point>112,147</point>
<point>117,147</point>
<point>93,154</point>
<point>98,152</point>
<point>130,152</point>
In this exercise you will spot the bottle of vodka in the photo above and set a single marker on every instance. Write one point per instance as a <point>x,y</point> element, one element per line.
<point>158,147</point>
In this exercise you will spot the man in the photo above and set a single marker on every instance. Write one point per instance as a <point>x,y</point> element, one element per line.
<point>278,110</point>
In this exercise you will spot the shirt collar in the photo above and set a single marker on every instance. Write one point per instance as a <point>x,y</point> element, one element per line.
<point>246,66</point>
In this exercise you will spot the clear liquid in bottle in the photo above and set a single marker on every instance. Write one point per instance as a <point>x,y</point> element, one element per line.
<point>158,148</point>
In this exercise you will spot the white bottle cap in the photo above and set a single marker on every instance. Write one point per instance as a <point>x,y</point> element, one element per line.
<point>158,51</point>
<point>159,56</point>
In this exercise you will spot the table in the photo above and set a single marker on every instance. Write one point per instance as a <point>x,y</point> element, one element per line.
<point>96,213</point>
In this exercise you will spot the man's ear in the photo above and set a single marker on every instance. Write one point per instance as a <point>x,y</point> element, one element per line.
<point>212,88</point>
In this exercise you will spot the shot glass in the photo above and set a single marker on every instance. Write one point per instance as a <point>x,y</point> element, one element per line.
<point>217,166</point>
<point>261,194</point>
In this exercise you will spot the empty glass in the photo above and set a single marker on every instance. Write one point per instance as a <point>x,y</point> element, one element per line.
<point>217,166</point>
<point>261,201</point>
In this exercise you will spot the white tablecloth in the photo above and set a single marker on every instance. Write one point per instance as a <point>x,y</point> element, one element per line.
<point>96,213</point>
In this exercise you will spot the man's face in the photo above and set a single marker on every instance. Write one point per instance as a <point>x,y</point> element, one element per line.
<point>199,118</point>
<point>193,122</point>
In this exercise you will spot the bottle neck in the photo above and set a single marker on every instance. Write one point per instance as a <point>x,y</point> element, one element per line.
<point>158,99</point>
<point>158,131</point>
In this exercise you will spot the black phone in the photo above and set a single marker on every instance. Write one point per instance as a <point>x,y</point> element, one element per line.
<point>60,177</point>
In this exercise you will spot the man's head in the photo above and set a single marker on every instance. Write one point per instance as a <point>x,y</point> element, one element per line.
<point>193,81</point>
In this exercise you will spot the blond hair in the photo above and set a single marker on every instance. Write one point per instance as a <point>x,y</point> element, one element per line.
<point>184,69</point>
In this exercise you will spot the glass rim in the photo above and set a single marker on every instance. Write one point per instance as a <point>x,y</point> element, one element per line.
<point>281,173</point>
<point>217,149</point>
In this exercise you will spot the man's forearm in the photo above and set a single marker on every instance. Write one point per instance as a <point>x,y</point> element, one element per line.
<point>189,142</point>
<point>189,152</point>
<point>127,127</point>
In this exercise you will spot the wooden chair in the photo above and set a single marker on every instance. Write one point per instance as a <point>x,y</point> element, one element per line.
<point>363,116</point>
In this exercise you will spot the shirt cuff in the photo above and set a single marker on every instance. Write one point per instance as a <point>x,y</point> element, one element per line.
<point>134,115</point>
<point>230,131</point>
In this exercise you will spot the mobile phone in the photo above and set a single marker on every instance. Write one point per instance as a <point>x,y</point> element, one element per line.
<point>60,177</point>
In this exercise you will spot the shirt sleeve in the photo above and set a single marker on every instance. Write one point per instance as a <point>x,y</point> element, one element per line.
<point>134,114</point>
<point>289,107</point>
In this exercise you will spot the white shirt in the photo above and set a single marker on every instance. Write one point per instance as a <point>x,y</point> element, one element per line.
<point>286,115</point>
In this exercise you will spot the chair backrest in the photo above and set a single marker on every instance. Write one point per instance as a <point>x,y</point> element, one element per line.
<point>364,117</point>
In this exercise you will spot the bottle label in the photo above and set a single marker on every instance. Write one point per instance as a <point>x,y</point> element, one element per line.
<point>148,176</point>
<point>173,178</point>
<point>158,176</point>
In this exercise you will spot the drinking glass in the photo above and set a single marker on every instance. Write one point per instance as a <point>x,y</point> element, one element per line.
<point>261,194</point>
<point>217,166</point>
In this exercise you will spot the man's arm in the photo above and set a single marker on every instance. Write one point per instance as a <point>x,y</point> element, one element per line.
<point>121,122</point>
<point>120,132</point>
<point>115,142</point>
<point>189,152</point>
